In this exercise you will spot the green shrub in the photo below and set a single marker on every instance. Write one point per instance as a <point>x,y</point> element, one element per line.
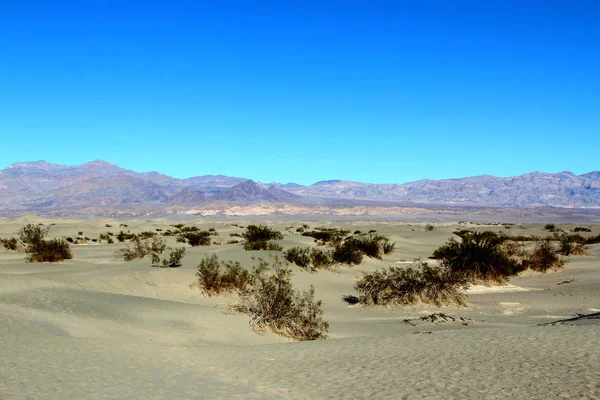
<point>212,280</point>
<point>419,282</point>
<point>299,256</point>
<point>51,250</point>
<point>154,250</point>
<point>581,229</point>
<point>327,236</point>
<point>475,259</point>
<point>348,253</point>
<point>262,245</point>
<point>273,303</point>
<point>139,249</point>
<point>32,233</point>
<point>550,227</point>
<point>258,233</point>
<point>195,238</point>
<point>174,259</point>
<point>310,259</point>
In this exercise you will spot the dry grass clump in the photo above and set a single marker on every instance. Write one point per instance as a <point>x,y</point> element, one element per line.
<point>39,249</point>
<point>309,258</point>
<point>153,249</point>
<point>259,237</point>
<point>273,303</point>
<point>419,282</point>
<point>216,276</point>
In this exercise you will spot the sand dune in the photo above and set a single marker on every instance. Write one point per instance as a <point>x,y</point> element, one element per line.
<point>95,327</point>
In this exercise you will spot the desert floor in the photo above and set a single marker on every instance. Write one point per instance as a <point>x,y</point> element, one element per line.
<point>96,327</point>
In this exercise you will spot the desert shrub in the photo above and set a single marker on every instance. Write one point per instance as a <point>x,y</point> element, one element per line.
<point>550,227</point>
<point>307,258</point>
<point>178,226</point>
<point>108,225</point>
<point>581,229</point>
<point>348,253</point>
<point>571,245</point>
<point>123,225</point>
<point>256,233</point>
<point>321,259</point>
<point>418,282</point>
<point>69,239</point>
<point>147,235</point>
<point>273,303</point>
<point>299,256</point>
<point>195,238</point>
<point>476,259</point>
<point>212,280</point>
<point>544,257</point>
<point>174,259</point>
<point>51,250</point>
<point>388,247</point>
<point>373,245</point>
<point>122,236</point>
<point>138,249</point>
<point>11,243</point>
<point>31,233</point>
<point>262,245</point>
<point>592,239</point>
<point>258,237</point>
<point>80,233</point>
<point>327,236</point>
<point>300,230</point>
<point>429,228</point>
<point>357,232</point>
<point>235,234</point>
<point>213,232</point>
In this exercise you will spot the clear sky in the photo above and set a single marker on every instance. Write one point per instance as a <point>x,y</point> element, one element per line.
<point>301,91</point>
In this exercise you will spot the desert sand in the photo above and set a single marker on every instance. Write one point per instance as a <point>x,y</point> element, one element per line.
<point>96,327</point>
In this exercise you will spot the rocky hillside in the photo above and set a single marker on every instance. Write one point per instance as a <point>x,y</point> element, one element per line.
<point>39,186</point>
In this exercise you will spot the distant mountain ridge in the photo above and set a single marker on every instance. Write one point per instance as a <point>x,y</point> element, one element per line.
<point>45,186</point>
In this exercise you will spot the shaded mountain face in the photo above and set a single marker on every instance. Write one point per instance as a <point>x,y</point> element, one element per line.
<point>250,191</point>
<point>45,186</point>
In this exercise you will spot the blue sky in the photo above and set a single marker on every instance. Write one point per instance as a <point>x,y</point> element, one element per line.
<point>376,91</point>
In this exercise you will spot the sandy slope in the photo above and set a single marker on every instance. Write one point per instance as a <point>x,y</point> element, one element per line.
<point>97,327</point>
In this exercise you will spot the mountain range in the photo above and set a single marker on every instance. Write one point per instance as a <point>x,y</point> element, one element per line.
<point>42,186</point>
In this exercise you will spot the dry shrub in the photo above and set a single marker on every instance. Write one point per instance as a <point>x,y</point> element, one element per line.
<point>153,249</point>
<point>544,257</point>
<point>476,259</point>
<point>310,259</point>
<point>11,244</point>
<point>51,250</point>
<point>418,282</point>
<point>212,280</point>
<point>273,303</point>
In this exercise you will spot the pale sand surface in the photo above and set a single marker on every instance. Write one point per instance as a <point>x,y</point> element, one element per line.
<point>98,328</point>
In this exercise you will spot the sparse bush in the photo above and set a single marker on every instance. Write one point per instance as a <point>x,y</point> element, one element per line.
<point>327,236</point>
<point>388,247</point>
<point>140,249</point>
<point>80,233</point>
<point>147,235</point>
<point>11,243</point>
<point>51,250</point>
<point>429,228</point>
<point>348,253</point>
<point>544,257</point>
<point>571,245</point>
<point>273,303</point>
<point>108,225</point>
<point>373,245</point>
<point>258,237</point>
<point>122,236</point>
<point>581,229</point>
<point>299,256</point>
<point>256,233</point>
<point>174,259</point>
<point>321,259</point>
<point>262,245</point>
<point>475,259</point>
<point>550,227</point>
<point>212,280</point>
<point>195,238</point>
<point>30,234</point>
<point>418,282</point>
